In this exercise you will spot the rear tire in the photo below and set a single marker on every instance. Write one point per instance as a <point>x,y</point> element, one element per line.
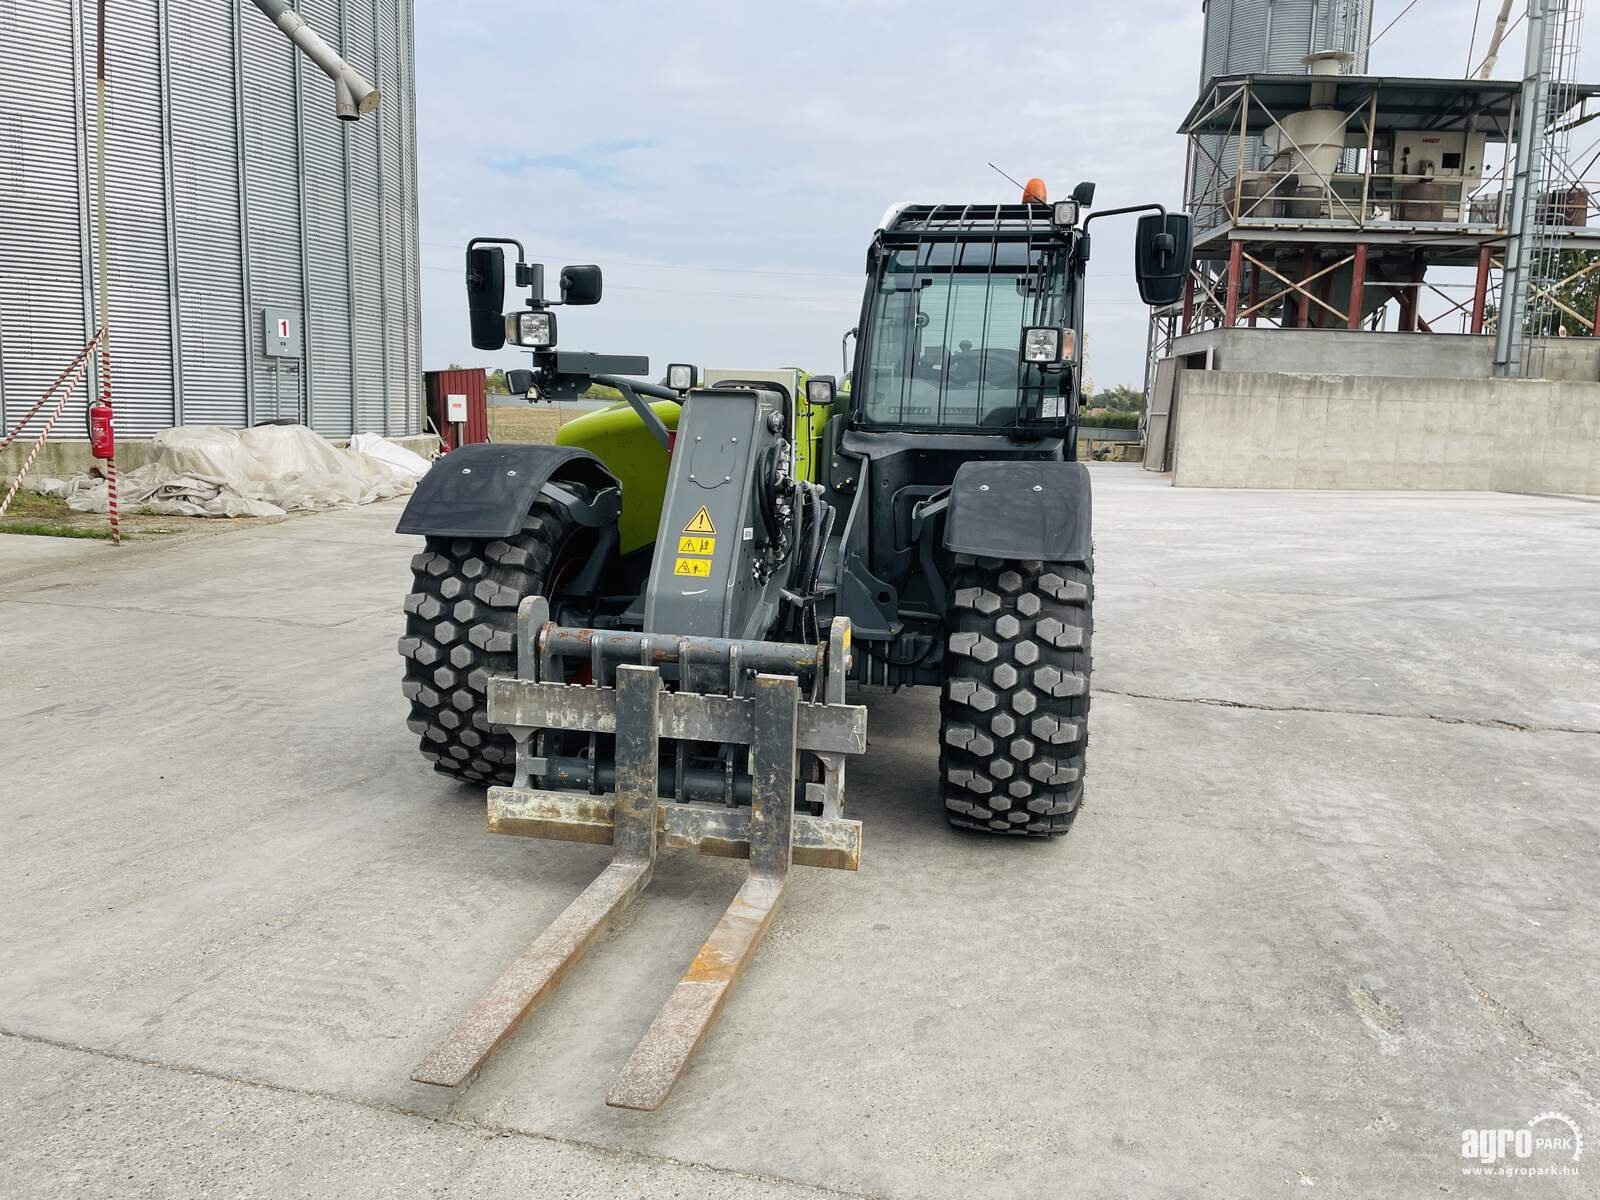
<point>1013,720</point>
<point>461,622</point>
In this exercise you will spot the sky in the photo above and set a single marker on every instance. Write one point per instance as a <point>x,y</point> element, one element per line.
<point>726,162</point>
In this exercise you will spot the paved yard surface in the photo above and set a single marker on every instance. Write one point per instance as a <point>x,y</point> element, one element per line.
<point>1334,896</point>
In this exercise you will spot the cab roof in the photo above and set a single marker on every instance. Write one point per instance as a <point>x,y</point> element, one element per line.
<point>909,224</point>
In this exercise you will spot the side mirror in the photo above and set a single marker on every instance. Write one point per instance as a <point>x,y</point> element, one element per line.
<point>1161,251</point>
<point>1084,194</point>
<point>580,285</point>
<point>519,383</point>
<point>486,296</point>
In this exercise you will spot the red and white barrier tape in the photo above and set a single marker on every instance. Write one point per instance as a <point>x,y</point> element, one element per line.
<point>38,442</point>
<point>48,392</point>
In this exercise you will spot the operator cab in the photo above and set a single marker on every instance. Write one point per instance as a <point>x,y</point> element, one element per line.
<point>952,290</point>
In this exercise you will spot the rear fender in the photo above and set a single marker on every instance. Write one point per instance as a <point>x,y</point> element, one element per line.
<point>1020,509</point>
<point>485,490</point>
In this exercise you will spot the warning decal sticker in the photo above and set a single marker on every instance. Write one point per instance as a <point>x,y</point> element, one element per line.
<point>700,522</point>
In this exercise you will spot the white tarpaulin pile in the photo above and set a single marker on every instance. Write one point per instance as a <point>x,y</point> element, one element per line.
<point>209,471</point>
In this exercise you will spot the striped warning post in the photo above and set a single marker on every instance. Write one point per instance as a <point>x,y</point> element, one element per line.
<point>111,463</point>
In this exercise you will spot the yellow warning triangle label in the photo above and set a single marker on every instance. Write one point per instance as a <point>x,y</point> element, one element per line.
<point>700,522</point>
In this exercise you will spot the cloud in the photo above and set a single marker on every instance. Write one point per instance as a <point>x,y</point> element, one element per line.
<point>726,162</point>
<point>597,162</point>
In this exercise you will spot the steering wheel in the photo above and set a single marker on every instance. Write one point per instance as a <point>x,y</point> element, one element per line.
<point>963,368</point>
<point>1000,367</point>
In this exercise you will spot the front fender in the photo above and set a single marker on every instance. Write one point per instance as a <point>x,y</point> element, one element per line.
<point>485,490</point>
<point>1021,509</point>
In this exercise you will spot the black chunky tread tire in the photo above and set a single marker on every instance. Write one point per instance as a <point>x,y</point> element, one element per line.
<point>1013,718</point>
<point>461,624</point>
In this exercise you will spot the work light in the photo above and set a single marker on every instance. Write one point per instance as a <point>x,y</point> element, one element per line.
<point>1041,344</point>
<point>682,376</point>
<point>535,330</point>
<point>1064,213</point>
<point>820,391</point>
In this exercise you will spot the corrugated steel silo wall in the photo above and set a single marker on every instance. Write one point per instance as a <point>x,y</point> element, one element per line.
<point>230,186</point>
<point>1274,35</point>
<point>1267,36</point>
<point>44,317</point>
<point>213,302</point>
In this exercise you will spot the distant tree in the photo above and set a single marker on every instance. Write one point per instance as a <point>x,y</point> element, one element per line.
<point>1580,295</point>
<point>1110,420</point>
<point>1121,398</point>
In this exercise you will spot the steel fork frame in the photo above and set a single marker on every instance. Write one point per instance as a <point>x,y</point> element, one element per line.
<point>531,980</point>
<point>635,818</point>
<point>660,1058</point>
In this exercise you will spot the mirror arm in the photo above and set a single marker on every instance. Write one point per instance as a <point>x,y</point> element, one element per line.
<point>1132,208</point>
<point>630,389</point>
<point>494,241</point>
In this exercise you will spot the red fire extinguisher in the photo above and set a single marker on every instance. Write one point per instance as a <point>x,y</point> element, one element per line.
<point>102,436</point>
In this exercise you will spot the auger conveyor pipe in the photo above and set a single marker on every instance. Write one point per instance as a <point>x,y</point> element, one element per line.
<point>354,93</point>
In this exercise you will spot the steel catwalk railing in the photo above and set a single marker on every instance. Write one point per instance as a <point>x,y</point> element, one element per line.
<point>1443,306</point>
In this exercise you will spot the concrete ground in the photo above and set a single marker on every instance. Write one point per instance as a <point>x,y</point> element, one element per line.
<point>1333,898</point>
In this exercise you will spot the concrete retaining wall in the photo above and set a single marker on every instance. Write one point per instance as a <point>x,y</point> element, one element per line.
<point>1342,352</point>
<point>1565,358</point>
<point>1273,430</point>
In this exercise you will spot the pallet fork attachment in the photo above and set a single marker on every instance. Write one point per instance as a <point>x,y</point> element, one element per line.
<point>767,714</point>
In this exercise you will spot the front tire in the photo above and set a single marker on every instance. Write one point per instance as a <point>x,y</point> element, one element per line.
<point>1013,720</point>
<point>461,621</point>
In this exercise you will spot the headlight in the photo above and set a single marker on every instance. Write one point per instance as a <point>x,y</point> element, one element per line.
<point>535,330</point>
<point>1041,344</point>
<point>682,376</point>
<point>1064,213</point>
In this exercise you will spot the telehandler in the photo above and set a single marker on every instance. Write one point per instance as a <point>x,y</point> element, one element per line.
<point>642,635</point>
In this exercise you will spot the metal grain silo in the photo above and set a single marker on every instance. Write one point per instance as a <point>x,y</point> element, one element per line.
<point>1270,36</point>
<point>234,198</point>
<point>1276,35</point>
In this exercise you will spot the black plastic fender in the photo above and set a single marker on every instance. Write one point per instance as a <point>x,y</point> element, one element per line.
<point>1017,509</point>
<point>485,490</point>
